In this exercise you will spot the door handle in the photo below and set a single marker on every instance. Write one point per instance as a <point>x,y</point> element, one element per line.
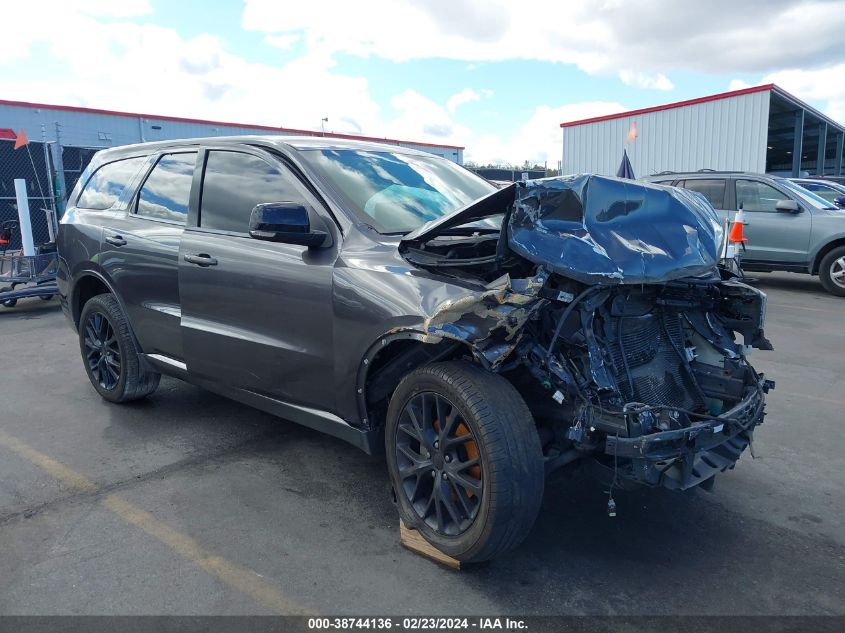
<point>116,240</point>
<point>201,259</point>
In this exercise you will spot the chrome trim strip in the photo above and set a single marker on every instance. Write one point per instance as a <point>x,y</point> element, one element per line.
<point>166,360</point>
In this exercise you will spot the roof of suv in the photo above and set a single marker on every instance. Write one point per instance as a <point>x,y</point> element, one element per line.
<point>704,173</point>
<point>287,142</point>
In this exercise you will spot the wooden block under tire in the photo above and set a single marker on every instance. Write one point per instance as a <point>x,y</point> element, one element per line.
<point>414,541</point>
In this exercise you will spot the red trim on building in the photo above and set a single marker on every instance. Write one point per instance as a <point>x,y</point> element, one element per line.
<point>7,135</point>
<point>157,117</point>
<point>671,106</point>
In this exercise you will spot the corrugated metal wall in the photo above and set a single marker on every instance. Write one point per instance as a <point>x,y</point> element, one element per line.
<point>90,129</point>
<point>728,134</point>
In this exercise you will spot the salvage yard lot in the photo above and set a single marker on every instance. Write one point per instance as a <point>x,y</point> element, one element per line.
<point>188,503</point>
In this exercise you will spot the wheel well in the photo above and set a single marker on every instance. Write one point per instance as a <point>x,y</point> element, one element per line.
<point>393,362</point>
<point>824,251</point>
<point>86,288</point>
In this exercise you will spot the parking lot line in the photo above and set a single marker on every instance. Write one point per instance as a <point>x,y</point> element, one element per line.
<point>240,578</point>
<point>67,477</point>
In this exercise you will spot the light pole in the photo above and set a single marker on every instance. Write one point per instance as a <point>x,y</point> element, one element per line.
<point>323,122</point>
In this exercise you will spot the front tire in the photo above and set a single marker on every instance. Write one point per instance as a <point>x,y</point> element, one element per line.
<point>112,359</point>
<point>464,459</point>
<point>832,271</point>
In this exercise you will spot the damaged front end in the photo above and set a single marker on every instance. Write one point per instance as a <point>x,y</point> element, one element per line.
<point>603,305</point>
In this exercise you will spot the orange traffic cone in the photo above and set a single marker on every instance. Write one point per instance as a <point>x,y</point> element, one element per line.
<point>736,236</point>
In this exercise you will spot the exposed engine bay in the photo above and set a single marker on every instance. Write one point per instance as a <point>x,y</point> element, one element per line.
<point>603,304</point>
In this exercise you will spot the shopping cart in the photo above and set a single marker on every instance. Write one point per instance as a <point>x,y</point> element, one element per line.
<point>35,274</point>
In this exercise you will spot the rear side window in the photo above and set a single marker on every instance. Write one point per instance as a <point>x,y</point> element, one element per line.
<point>712,189</point>
<point>757,196</point>
<point>233,183</point>
<point>166,191</point>
<point>106,184</point>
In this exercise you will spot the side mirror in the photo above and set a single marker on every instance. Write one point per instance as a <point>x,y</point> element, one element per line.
<point>787,206</point>
<point>839,202</point>
<point>288,222</point>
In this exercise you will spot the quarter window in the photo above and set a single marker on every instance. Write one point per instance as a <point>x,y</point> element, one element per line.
<point>712,189</point>
<point>106,184</point>
<point>757,196</point>
<point>233,183</point>
<point>166,192</point>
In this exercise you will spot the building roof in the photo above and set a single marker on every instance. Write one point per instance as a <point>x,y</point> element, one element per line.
<point>716,97</point>
<point>7,135</point>
<point>280,130</point>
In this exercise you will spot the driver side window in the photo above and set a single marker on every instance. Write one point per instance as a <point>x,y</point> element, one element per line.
<point>234,182</point>
<point>757,196</point>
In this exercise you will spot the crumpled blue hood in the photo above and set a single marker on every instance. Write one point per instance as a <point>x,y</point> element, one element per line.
<point>600,230</point>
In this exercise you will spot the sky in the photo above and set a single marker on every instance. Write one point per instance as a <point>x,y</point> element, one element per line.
<point>497,77</point>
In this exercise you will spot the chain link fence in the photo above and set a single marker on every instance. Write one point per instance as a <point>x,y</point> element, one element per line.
<point>33,164</point>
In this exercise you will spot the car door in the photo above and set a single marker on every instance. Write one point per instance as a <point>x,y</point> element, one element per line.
<point>256,315</point>
<point>140,252</point>
<point>772,236</point>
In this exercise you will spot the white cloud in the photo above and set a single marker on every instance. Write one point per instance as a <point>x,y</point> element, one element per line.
<point>738,84</point>
<point>283,42</point>
<point>652,36</point>
<point>466,95</point>
<point>657,81</point>
<point>149,68</point>
<point>823,84</point>
<point>539,139</point>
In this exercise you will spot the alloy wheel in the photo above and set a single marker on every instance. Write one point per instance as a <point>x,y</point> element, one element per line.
<point>439,464</point>
<point>837,272</point>
<point>102,352</point>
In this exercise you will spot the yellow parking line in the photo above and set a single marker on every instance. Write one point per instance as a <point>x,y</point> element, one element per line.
<point>67,477</point>
<point>244,580</point>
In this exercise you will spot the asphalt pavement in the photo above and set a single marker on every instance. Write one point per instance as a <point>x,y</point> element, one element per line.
<point>187,503</point>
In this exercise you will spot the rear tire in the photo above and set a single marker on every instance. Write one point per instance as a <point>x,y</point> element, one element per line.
<point>832,271</point>
<point>499,508</point>
<point>111,356</point>
<point>8,303</point>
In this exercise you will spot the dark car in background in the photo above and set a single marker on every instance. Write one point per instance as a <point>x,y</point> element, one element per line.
<point>483,338</point>
<point>830,191</point>
<point>788,227</point>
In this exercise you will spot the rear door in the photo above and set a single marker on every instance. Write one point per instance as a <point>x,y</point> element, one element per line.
<point>140,252</point>
<point>256,315</point>
<point>714,189</point>
<point>773,237</point>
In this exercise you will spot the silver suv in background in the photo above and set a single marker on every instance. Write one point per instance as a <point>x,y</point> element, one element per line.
<point>788,228</point>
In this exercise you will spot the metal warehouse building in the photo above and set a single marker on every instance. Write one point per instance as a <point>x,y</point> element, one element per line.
<point>79,132</point>
<point>759,129</point>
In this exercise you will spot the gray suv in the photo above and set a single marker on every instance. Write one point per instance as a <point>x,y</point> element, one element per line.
<point>788,228</point>
<point>482,338</point>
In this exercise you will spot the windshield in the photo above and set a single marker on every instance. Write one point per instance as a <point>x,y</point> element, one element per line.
<point>807,196</point>
<point>394,192</point>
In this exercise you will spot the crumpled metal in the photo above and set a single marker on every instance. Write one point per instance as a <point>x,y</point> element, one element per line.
<point>601,230</point>
<point>491,321</point>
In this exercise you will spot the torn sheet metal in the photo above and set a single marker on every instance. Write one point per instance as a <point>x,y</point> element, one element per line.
<point>596,229</point>
<point>491,320</point>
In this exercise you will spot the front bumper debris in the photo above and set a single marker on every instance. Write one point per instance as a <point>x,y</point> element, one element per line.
<point>684,458</point>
